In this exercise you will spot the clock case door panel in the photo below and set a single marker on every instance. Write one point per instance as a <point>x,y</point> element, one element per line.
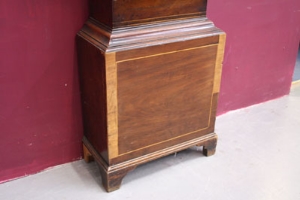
<point>162,97</point>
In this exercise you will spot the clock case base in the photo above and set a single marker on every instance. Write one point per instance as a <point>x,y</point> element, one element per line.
<point>112,176</point>
<point>99,48</point>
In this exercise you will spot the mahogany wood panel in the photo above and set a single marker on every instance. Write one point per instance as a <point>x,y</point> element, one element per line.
<point>102,11</point>
<point>163,48</point>
<point>137,11</point>
<point>164,96</point>
<point>128,12</point>
<point>170,143</point>
<point>93,94</point>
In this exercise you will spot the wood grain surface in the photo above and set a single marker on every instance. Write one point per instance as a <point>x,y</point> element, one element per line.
<point>128,12</point>
<point>112,104</point>
<point>93,94</point>
<point>162,97</point>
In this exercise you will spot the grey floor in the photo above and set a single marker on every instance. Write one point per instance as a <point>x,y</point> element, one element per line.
<point>258,158</point>
<point>296,76</point>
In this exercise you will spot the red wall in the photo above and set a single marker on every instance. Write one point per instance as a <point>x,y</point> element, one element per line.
<point>40,118</point>
<point>262,44</point>
<point>40,124</point>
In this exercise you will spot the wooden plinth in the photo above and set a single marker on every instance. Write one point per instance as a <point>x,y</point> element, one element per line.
<point>149,86</point>
<point>112,176</point>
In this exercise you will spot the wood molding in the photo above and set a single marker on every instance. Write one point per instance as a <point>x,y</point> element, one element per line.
<point>117,172</point>
<point>133,37</point>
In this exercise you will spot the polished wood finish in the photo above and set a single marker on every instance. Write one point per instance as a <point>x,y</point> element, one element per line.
<point>93,91</point>
<point>130,12</point>
<point>167,95</point>
<point>150,79</point>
